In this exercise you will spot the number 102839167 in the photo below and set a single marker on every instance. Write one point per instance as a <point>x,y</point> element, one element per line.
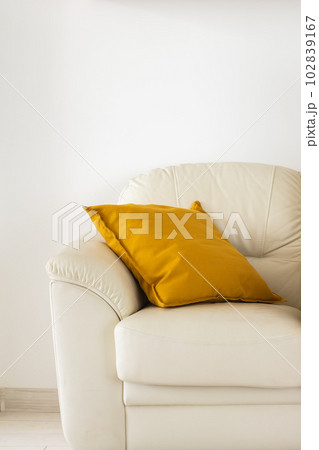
<point>310,36</point>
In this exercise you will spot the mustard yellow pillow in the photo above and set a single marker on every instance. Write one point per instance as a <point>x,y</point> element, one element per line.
<point>172,254</point>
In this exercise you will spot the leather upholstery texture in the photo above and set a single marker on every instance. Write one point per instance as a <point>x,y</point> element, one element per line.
<point>266,197</point>
<point>200,377</point>
<point>211,344</point>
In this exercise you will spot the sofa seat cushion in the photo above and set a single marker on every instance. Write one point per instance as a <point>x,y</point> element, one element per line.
<point>211,344</point>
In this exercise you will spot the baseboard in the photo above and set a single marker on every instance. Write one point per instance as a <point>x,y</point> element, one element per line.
<point>32,400</point>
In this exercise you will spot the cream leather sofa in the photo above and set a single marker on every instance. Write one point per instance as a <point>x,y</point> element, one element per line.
<point>200,377</point>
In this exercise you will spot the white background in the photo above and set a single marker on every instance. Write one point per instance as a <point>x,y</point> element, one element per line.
<point>133,85</point>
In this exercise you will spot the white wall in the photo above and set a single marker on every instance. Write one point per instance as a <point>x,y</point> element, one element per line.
<point>133,84</point>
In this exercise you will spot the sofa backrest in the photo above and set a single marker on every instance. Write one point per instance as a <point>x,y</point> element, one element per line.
<point>265,198</point>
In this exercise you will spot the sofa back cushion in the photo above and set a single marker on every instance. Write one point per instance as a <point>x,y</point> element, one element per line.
<point>260,199</point>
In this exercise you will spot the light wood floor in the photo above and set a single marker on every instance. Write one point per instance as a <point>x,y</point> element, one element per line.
<point>31,431</point>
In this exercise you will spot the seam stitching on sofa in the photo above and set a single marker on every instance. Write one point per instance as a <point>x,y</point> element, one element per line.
<point>188,405</point>
<point>268,211</point>
<point>289,337</point>
<point>176,186</point>
<point>270,258</point>
<point>215,406</point>
<point>105,298</point>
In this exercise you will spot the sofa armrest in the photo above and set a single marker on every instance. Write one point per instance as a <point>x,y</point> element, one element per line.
<point>98,269</point>
<point>91,290</point>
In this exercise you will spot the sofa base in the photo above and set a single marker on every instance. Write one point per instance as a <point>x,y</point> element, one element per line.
<point>233,427</point>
